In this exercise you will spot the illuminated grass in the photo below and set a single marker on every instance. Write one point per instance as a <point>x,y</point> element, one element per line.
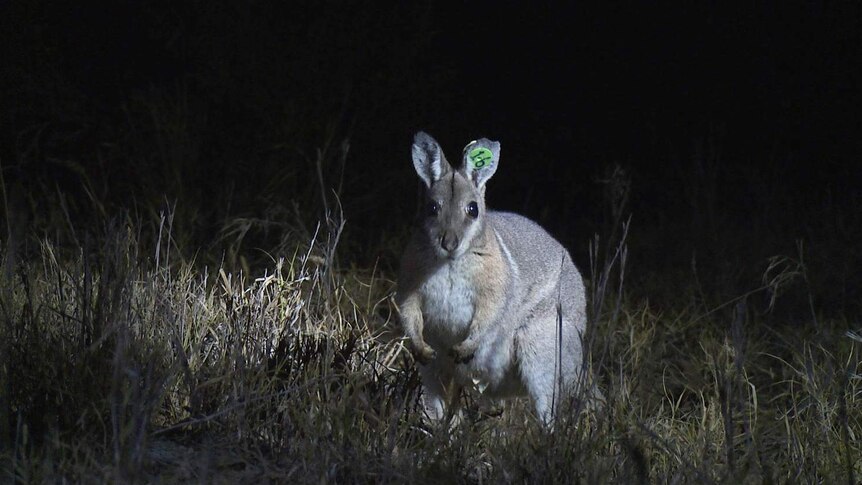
<point>133,366</point>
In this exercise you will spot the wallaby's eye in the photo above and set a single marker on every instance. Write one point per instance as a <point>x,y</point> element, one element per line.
<point>432,209</point>
<point>473,209</point>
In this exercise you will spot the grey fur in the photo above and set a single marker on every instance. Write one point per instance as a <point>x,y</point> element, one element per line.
<point>492,301</point>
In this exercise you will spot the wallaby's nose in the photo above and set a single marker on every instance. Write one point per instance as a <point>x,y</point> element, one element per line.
<point>449,242</point>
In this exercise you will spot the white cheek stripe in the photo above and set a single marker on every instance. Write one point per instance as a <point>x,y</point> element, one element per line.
<point>509,258</point>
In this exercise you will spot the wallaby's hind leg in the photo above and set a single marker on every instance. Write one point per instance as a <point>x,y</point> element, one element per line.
<point>539,381</point>
<point>440,393</point>
<point>537,370</point>
<point>549,364</point>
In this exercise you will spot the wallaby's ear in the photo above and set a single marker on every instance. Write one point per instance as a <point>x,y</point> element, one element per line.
<point>480,160</point>
<point>428,159</point>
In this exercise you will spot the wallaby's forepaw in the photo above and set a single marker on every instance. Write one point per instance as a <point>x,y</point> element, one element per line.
<point>461,354</point>
<point>424,354</point>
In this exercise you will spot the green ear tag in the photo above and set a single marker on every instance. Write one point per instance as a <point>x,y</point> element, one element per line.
<point>480,157</point>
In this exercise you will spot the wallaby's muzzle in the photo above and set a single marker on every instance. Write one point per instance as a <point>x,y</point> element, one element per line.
<point>449,242</point>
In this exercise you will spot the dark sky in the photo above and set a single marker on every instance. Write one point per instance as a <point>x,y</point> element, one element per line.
<point>771,89</point>
<point>600,71</point>
<point>608,74</point>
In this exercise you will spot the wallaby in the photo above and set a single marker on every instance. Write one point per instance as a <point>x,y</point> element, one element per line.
<point>486,298</point>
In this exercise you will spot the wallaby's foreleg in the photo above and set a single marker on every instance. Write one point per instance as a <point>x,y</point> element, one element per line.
<point>481,323</point>
<point>464,352</point>
<point>413,324</point>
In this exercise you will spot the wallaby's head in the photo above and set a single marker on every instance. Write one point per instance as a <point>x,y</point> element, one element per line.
<point>454,206</point>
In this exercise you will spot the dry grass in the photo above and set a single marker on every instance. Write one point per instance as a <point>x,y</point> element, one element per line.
<point>124,363</point>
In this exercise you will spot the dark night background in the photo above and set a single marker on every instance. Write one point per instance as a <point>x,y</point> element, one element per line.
<point>737,125</point>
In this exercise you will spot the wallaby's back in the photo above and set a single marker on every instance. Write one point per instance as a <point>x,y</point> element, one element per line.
<point>539,261</point>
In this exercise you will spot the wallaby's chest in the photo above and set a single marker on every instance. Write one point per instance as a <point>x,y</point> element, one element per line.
<point>448,302</point>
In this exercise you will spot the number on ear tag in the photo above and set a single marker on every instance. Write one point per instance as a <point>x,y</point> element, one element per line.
<point>480,157</point>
